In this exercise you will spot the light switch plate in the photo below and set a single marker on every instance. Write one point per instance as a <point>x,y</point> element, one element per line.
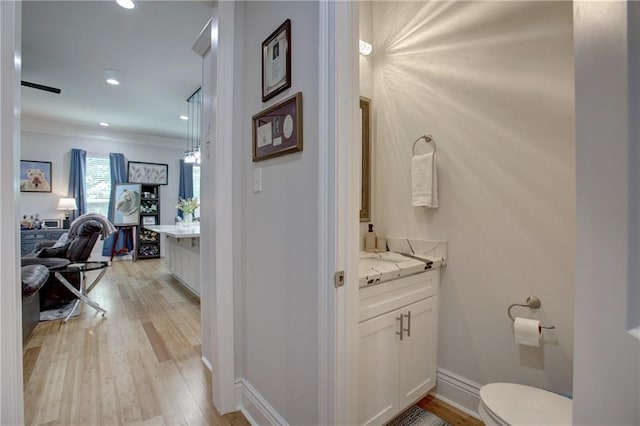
<point>257,179</point>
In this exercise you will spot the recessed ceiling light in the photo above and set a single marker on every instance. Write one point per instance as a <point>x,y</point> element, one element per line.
<point>103,124</point>
<point>112,77</point>
<point>127,4</point>
<point>184,117</point>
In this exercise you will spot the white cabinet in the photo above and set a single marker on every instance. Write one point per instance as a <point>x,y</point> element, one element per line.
<point>417,352</point>
<point>183,259</point>
<point>379,368</point>
<point>398,345</point>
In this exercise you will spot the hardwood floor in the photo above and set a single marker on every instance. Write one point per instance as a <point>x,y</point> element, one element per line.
<point>448,413</point>
<point>140,364</point>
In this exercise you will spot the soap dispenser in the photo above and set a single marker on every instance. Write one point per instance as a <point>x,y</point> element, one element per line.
<point>370,240</point>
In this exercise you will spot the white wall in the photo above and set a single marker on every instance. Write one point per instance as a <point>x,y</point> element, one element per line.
<point>49,141</point>
<point>366,62</point>
<point>607,358</point>
<point>279,327</point>
<point>493,83</point>
<point>366,89</point>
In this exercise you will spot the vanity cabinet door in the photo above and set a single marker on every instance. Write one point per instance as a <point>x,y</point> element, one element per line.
<point>418,364</point>
<point>379,360</point>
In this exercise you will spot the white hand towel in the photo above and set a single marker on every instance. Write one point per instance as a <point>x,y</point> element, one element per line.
<point>424,180</point>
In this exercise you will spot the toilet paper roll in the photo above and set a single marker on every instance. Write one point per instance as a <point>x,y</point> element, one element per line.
<point>527,331</point>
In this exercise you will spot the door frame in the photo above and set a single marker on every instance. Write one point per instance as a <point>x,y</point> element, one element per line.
<point>339,207</point>
<point>11,384</point>
<point>220,299</point>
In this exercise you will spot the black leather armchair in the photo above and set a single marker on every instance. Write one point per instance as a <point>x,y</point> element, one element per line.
<point>33,277</point>
<point>54,293</point>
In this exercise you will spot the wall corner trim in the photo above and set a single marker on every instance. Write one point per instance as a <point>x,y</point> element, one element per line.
<point>203,43</point>
<point>458,391</point>
<point>254,406</point>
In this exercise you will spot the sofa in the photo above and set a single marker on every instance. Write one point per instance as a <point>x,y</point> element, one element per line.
<point>56,255</point>
<point>33,277</point>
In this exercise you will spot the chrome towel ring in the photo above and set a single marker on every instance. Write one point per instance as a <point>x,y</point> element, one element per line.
<point>428,139</point>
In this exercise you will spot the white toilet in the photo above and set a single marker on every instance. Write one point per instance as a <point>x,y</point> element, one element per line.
<point>513,404</point>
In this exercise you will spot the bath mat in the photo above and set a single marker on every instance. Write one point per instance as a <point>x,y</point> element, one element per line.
<point>60,313</point>
<point>417,416</point>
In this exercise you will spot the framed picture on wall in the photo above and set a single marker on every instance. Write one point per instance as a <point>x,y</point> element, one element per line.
<point>278,129</point>
<point>148,173</point>
<point>126,209</point>
<point>35,176</point>
<point>276,61</point>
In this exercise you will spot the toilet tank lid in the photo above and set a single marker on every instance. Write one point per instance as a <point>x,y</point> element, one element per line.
<point>519,404</point>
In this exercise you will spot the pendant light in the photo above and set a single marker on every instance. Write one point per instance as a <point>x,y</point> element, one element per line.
<point>192,154</point>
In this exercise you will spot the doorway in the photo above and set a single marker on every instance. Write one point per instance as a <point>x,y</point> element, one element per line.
<point>11,24</point>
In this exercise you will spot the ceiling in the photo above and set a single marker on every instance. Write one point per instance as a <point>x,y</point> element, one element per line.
<point>69,44</point>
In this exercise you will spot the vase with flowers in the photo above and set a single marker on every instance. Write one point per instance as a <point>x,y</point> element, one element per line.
<point>187,206</point>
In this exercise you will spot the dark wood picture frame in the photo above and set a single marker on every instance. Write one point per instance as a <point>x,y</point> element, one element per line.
<point>147,173</point>
<point>36,176</point>
<point>365,197</point>
<point>278,129</point>
<point>276,61</point>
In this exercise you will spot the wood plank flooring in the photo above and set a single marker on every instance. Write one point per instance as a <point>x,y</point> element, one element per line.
<point>140,364</point>
<point>448,413</point>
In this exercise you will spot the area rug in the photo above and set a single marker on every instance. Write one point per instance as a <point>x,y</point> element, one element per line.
<point>417,416</point>
<point>60,312</point>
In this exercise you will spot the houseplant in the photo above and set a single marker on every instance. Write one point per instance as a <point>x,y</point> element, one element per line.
<point>188,206</point>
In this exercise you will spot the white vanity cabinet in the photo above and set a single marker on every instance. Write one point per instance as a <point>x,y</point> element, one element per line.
<point>398,345</point>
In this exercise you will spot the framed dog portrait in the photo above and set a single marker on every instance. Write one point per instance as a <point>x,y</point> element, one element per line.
<point>126,208</point>
<point>35,176</point>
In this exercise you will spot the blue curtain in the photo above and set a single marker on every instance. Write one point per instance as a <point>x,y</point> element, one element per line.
<point>185,190</point>
<point>118,175</point>
<point>77,186</point>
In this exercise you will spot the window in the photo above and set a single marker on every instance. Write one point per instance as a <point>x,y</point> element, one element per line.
<point>196,187</point>
<point>98,181</point>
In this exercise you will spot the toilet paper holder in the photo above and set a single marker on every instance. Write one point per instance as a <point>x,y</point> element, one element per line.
<point>531,302</point>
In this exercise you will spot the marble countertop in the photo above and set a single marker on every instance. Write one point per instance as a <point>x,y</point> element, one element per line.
<point>191,231</point>
<point>376,268</point>
<point>425,255</point>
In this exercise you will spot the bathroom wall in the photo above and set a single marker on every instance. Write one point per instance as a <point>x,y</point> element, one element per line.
<point>366,90</point>
<point>278,292</point>
<point>493,83</point>
<point>366,62</point>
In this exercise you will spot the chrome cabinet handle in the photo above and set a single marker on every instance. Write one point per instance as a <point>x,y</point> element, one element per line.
<point>401,319</point>
<point>408,329</point>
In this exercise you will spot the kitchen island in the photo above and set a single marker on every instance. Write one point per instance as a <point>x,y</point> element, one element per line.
<point>182,253</point>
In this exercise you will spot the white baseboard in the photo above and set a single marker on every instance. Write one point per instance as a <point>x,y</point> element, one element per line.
<point>207,364</point>
<point>254,407</point>
<point>458,391</point>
